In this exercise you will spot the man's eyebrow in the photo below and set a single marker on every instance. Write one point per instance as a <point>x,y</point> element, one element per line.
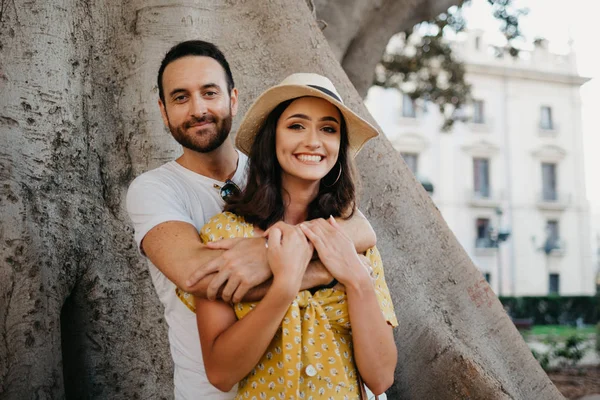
<point>204,87</point>
<point>176,90</point>
<point>306,117</point>
<point>210,85</point>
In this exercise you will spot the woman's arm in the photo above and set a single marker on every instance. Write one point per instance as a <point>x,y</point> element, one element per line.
<point>232,348</point>
<point>375,351</point>
<point>374,347</point>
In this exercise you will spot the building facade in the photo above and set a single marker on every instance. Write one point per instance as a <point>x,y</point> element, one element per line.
<point>510,183</point>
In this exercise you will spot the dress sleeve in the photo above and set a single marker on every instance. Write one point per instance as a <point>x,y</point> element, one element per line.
<point>225,225</point>
<point>381,289</point>
<point>222,226</point>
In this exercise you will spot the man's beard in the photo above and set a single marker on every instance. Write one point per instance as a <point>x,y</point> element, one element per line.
<point>206,140</point>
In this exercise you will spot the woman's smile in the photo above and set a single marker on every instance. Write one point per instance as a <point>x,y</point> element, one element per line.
<point>310,158</point>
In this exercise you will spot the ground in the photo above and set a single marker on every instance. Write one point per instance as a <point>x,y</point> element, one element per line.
<point>577,382</point>
<point>573,382</point>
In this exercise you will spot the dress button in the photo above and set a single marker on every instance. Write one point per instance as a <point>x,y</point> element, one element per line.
<point>310,370</point>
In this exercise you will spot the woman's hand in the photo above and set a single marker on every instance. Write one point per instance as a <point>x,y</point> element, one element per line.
<point>288,254</point>
<point>336,250</point>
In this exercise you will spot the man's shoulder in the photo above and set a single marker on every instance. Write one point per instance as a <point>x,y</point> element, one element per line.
<point>162,173</point>
<point>163,182</point>
<point>166,178</point>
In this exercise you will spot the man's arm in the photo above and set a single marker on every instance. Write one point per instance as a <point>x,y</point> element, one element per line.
<point>359,230</point>
<point>174,247</point>
<point>316,275</point>
<point>239,273</point>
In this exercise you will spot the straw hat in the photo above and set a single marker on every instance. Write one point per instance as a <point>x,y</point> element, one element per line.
<point>300,85</point>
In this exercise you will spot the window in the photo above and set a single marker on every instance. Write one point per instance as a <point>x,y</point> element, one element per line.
<point>478,112</point>
<point>411,159</point>
<point>484,239</point>
<point>488,277</point>
<point>477,42</point>
<point>553,284</point>
<point>481,177</point>
<point>408,106</point>
<point>549,182</point>
<point>546,118</point>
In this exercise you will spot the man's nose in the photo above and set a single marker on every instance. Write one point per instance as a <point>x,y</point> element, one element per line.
<point>198,106</point>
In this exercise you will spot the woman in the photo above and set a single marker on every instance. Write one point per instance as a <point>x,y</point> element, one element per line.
<point>301,140</point>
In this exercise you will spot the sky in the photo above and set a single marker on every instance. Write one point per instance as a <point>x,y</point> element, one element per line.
<point>562,21</point>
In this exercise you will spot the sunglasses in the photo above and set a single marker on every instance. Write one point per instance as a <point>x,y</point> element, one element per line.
<point>228,190</point>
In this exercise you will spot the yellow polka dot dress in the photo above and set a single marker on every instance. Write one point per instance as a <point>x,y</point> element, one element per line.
<point>311,355</point>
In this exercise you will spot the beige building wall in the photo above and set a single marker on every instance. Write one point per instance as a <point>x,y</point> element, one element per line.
<point>515,144</point>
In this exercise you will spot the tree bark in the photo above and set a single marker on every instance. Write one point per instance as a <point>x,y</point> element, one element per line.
<point>358,30</point>
<point>78,120</point>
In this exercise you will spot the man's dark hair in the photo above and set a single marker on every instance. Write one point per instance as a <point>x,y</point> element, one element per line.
<point>262,203</point>
<point>194,48</point>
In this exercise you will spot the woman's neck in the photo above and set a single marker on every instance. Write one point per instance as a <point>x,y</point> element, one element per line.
<point>297,195</point>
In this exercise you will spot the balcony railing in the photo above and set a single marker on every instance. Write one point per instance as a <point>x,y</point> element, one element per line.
<point>547,130</point>
<point>484,126</point>
<point>552,200</point>
<point>484,198</point>
<point>485,243</point>
<point>486,247</point>
<point>554,247</point>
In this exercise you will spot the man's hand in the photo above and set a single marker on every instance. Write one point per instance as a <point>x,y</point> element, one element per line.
<point>241,267</point>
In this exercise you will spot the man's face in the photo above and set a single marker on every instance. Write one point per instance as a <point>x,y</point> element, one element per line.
<point>198,108</point>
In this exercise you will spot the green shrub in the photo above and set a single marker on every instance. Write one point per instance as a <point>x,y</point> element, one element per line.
<point>598,338</point>
<point>571,351</point>
<point>566,352</point>
<point>543,359</point>
<point>554,310</point>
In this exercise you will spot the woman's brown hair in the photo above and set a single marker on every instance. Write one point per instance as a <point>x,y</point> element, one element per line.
<point>261,202</point>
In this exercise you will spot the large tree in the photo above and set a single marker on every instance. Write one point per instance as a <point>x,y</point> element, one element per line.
<point>78,120</point>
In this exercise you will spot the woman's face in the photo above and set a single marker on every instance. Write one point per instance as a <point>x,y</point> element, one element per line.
<point>307,140</point>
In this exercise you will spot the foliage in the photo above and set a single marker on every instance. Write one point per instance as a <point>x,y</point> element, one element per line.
<point>423,66</point>
<point>572,350</point>
<point>598,338</point>
<point>543,358</point>
<point>561,331</point>
<point>563,353</point>
<point>554,310</point>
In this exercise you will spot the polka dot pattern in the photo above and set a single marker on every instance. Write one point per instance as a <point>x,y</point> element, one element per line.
<point>311,355</point>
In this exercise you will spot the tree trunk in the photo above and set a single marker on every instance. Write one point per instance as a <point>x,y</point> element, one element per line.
<point>358,30</point>
<point>78,120</point>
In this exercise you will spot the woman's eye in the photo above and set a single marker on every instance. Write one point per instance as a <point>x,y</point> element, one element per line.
<point>329,129</point>
<point>296,127</point>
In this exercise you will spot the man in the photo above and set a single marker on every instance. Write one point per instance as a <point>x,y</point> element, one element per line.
<point>170,204</point>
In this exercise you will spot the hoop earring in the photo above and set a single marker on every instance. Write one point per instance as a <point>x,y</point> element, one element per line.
<point>336,179</point>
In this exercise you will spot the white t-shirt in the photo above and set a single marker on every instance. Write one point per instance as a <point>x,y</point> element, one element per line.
<point>174,193</point>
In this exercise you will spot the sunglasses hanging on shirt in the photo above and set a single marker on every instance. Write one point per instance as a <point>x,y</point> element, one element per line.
<point>228,190</point>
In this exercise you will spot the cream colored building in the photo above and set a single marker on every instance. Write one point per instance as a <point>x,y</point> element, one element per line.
<point>517,166</point>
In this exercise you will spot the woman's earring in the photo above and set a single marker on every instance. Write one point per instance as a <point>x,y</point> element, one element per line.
<point>336,179</point>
